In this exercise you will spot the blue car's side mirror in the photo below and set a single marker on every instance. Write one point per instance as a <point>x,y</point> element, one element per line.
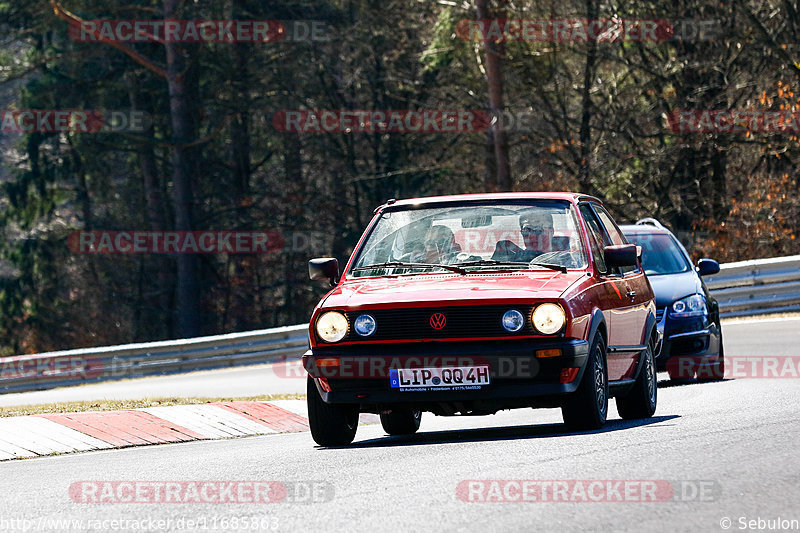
<point>707,267</point>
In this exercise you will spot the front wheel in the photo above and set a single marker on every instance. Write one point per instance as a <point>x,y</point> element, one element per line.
<point>715,372</point>
<point>401,421</point>
<point>587,407</point>
<point>331,425</point>
<point>640,401</point>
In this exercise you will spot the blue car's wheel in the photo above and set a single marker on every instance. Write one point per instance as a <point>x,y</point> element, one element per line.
<point>641,400</point>
<point>401,421</point>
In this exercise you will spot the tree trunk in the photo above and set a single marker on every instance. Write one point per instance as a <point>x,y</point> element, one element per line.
<point>495,52</point>
<point>585,135</point>
<point>155,209</point>
<point>187,309</point>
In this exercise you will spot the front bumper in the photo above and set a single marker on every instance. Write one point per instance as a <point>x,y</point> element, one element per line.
<point>517,375</point>
<point>688,346</point>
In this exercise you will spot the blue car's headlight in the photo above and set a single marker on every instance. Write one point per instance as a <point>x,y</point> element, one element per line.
<point>694,305</point>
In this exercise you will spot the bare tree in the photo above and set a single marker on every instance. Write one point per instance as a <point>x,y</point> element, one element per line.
<point>494,51</point>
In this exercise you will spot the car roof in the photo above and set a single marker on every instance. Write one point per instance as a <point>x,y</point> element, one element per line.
<point>568,196</point>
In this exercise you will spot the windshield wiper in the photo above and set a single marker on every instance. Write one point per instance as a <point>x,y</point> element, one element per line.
<point>560,268</point>
<point>493,262</point>
<point>402,264</point>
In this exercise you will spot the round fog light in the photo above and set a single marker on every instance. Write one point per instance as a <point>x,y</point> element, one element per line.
<point>365,325</point>
<point>513,320</point>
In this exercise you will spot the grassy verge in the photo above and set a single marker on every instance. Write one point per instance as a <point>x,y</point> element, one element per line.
<point>117,405</point>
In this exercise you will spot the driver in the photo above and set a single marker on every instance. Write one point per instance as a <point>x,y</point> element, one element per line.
<point>536,227</point>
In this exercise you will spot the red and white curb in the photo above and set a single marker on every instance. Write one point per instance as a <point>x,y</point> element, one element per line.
<point>37,435</point>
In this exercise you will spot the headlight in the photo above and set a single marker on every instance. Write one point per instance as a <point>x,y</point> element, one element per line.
<point>365,325</point>
<point>548,318</point>
<point>332,326</point>
<point>513,320</point>
<point>694,305</point>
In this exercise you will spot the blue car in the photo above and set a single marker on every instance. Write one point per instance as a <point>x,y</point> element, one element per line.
<point>687,314</point>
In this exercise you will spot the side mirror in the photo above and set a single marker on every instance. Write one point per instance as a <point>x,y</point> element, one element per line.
<point>707,267</point>
<point>620,255</point>
<point>324,268</point>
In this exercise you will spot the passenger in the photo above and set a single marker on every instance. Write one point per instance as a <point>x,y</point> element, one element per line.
<point>439,247</point>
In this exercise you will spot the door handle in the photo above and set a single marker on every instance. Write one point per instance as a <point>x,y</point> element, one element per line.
<point>631,294</point>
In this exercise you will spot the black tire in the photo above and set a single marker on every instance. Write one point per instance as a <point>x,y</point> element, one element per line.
<point>679,370</point>
<point>587,407</point>
<point>641,400</point>
<point>331,425</point>
<point>680,378</point>
<point>401,421</point>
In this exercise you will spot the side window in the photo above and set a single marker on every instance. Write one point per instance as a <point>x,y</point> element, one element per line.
<point>611,228</point>
<point>613,232</point>
<point>596,238</point>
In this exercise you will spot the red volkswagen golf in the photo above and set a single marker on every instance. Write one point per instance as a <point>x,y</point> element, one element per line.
<point>475,303</point>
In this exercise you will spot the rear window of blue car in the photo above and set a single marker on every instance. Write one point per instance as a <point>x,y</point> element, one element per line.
<point>660,253</point>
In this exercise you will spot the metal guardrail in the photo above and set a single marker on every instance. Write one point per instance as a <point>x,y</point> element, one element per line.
<point>744,288</point>
<point>57,369</point>
<point>757,287</point>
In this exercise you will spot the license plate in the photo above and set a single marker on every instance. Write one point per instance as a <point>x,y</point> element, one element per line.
<point>457,378</point>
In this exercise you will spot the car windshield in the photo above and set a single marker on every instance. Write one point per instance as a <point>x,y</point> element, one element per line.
<point>529,236</point>
<point>660,253</point>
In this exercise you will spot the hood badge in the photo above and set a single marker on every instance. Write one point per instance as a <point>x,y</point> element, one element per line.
<point>438,321</point>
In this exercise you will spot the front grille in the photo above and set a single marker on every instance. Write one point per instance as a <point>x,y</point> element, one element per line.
<point>660,314</point>
<point>462,321</point>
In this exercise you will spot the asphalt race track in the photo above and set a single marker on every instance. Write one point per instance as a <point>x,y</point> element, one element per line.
<point>729,450</point>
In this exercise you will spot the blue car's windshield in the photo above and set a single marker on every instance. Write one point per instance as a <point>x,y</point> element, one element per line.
<point>660,253</point>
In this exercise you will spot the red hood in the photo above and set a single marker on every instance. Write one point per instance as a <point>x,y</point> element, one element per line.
<point>477,288</point>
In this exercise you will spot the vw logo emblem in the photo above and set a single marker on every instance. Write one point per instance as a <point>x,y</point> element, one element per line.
<point>438,321</point>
